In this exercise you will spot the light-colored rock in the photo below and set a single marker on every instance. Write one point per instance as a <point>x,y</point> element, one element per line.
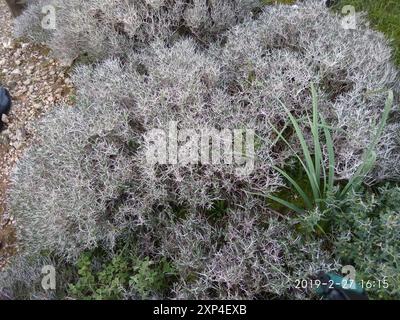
<point>8,43</point>
<point>4,118</point>
<point>18,53</point>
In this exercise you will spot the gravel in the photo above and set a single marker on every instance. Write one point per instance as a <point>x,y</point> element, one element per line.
<point>36,83</point>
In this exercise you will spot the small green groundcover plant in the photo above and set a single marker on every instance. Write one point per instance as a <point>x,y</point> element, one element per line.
<point>365,229</point>
<point>125,274</point>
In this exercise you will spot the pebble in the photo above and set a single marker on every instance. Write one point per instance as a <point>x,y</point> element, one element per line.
<point>4,118</point>
<point>8,44</point>
<point>18,53</point>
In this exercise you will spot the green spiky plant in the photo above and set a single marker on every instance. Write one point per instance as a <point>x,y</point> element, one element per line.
<point>319,179</point>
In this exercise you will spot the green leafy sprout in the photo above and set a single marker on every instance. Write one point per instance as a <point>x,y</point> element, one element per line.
<point>319,179</point>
